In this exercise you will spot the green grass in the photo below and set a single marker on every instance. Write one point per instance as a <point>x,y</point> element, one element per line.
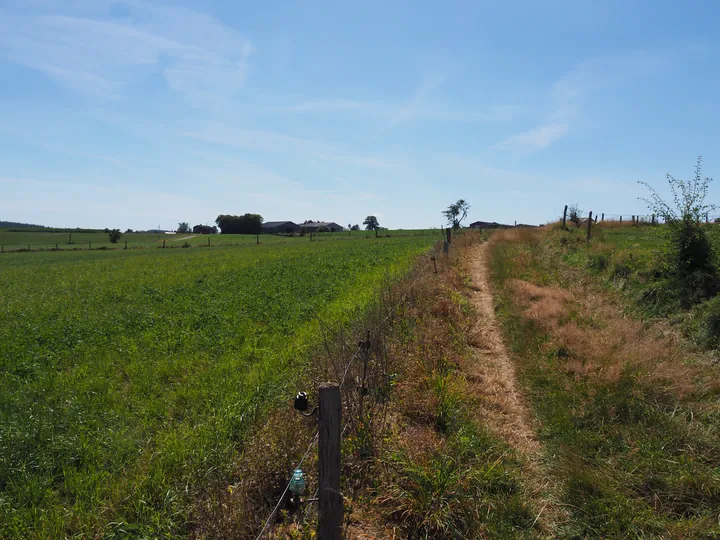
<point>129,379</point>
<point>42,241</point>
<point>636,460</point>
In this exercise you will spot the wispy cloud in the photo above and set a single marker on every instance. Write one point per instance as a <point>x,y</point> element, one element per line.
<point>428,85</point>
<point>532,140</point>
<point>270,141</point>
<point>570,94</point>
<point>198,56</point>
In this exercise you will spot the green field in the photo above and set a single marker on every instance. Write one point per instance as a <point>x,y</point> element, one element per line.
<point>43,241</point>
<point>129,379</point>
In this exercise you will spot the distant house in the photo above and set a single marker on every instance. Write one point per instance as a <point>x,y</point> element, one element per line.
<point>313,226</point>
<point>275,227</point>
<point>486,225</point>
<point>494,225</point>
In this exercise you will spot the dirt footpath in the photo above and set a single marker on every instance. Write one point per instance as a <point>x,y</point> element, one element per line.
<point>503,408</point>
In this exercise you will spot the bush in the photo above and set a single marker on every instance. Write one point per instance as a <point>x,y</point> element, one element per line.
<point>598,262</point>
<point>703,324</point>
<point>690,259</point>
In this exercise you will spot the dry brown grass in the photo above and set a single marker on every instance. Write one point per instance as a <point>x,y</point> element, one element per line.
<point>600,341</point>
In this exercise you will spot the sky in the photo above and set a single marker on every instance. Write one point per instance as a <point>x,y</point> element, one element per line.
<point>139,114</point>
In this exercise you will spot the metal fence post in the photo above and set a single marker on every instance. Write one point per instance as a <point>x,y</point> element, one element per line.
<point>564,216</point>
<point>330,499</point>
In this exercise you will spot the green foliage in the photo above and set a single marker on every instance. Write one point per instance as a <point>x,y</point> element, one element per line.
<point>183,227</point>
<point>691,259</point>
<point>129,379</point>
<point>245,224</point>
<point>371,223</point>
<point>114,235</point>
<point>703,324</point>
<point>598,262</point>
<point>456,213</point>
<point>204,229</point>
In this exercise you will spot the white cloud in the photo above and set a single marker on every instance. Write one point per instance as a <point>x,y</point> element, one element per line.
<point>532,140</point>
<point>197,55</point>
<point>270,141</point>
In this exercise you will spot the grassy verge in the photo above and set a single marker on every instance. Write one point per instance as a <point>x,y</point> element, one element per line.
<point>630,414</point>
<point>418,463</point>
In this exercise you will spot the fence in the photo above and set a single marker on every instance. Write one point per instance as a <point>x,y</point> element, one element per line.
<point>358,362</point>
<point>630,219</point>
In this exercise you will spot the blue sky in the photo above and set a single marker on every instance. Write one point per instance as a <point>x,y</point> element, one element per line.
<point>138,114</point>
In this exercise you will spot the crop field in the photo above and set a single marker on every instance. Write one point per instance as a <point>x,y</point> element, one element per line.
<point>63,241</point>
<point>129,379</point>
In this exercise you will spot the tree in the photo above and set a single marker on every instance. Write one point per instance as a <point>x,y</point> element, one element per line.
<point>355,228</point>
<point>691,260</point>
<point>245,224</point>
<point>456,213</point>
<point>114,236</point>
<point>128,231</point>
<point>183,227</point>
<point>204,229</point>
<point>371,223</point>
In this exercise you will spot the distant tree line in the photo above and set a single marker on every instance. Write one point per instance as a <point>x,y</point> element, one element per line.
<point>205,229</point>
<point>245,224</point>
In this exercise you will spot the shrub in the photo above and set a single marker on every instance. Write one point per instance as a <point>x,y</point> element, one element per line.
<point>598,262</point>
<point>703,324</point>
<point>690,260</point>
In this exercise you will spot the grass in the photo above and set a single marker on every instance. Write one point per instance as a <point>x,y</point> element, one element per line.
<point>629,412</point>
<point>129,380</point>
<point>39,240</point>
<point>440,472</point>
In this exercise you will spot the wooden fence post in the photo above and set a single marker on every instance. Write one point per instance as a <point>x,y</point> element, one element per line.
<point>125,244</point>
<point>89,245</point>
<point>163,243</point>
<point>620,220</point>
<point>330,499</point>
<point>257,239</point>
<point>366,359</point>
<point>564,216</point>
<point>448,232</point>
<point>653,219</point>
<point>603,217</point>
<point>589,225</point>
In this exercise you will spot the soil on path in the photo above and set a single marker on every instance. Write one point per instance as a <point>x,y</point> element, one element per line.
<point>502,406</point>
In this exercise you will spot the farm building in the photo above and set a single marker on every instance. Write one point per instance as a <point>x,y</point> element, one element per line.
<point>275,227</point>
<point>485,225</point>
<point>313,226</point>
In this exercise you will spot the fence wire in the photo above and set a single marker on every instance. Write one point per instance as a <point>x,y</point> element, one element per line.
<point>360,349</point>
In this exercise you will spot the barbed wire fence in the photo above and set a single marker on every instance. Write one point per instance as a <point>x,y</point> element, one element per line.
<point>361,380</point>
<point>638,219</point>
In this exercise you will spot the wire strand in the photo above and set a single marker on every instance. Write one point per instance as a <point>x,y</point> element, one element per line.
<point>282,497</point>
